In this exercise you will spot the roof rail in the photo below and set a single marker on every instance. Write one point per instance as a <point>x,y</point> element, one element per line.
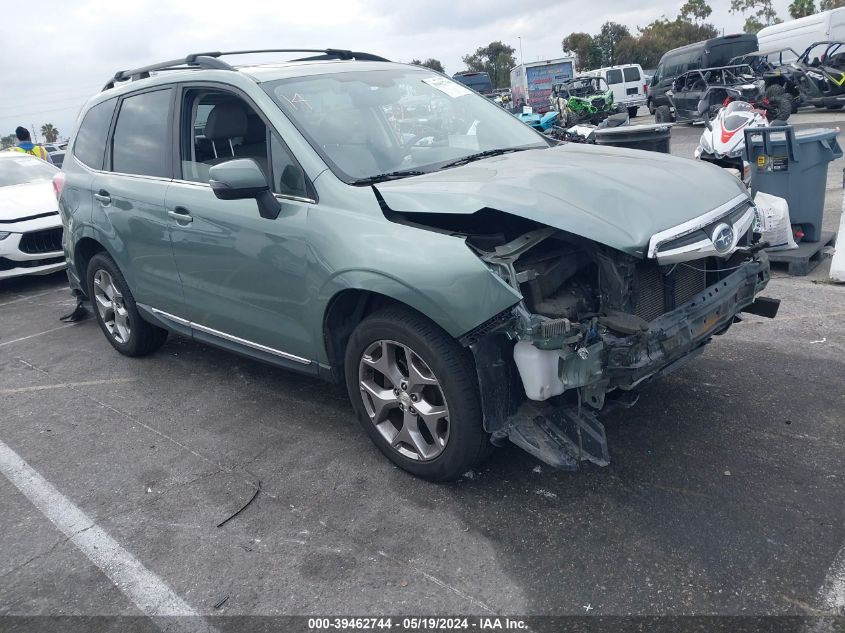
<point>195,60</point>
<point>212,60</point>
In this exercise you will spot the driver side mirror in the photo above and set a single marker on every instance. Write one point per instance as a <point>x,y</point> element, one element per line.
<point>240,179</point>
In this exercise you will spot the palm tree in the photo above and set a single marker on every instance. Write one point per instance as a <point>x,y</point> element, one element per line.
<point>49,133</point>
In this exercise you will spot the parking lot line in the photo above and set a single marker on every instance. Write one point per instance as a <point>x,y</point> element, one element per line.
<point>146,590</point>
<point>29,297</point>
<point>66,385</point>
<point>24,338</point>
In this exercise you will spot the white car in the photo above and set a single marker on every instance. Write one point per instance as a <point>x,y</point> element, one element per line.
<point>30,225</point>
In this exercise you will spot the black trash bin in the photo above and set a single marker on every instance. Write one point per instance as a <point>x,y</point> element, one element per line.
<point>793,165</point>
<point>654,137</point>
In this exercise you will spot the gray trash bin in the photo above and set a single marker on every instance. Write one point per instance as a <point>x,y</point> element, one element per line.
<point>793,165</point>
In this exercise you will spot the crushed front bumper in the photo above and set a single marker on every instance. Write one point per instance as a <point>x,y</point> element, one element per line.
<point>562,433</point>
<point>670,337</point>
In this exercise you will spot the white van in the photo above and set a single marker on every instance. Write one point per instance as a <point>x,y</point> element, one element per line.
<point>628,84</point>
<point>801,33</point>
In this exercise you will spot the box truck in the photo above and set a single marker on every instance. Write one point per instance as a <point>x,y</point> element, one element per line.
<point>531,83</point>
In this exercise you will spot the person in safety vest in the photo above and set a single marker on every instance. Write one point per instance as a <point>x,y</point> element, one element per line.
<point>26,146</point>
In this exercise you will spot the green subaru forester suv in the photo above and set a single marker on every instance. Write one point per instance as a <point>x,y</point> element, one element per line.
<point>471,281</point>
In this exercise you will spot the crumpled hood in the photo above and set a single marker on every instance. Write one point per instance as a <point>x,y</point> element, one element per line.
<point>27,199</point>
<point>614,196</point>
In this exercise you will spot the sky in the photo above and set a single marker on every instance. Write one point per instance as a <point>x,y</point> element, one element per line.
<point>55,54</point>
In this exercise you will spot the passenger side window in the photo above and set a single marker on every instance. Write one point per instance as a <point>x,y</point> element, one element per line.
<point>89,148</point>
<point>217,127</point>
<point>141,141</point>
<point>658,76</point>
<point>614,77</point>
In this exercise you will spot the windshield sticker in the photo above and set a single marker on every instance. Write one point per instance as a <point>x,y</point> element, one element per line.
<point>447,86</point>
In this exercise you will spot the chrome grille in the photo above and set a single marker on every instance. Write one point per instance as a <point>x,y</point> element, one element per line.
<point>660,291</point>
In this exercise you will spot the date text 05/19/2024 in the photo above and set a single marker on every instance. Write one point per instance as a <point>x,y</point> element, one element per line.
<point>484,623</point>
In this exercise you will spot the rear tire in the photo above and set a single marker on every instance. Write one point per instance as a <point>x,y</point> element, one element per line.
<point>116,312</point>
<point>663,114</point>
<point>781,100</point>
<point>650,105</point>
<point>433,370</point>
<point>632,112</point>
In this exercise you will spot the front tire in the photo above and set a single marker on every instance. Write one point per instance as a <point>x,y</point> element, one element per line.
<point>116,311</point>
<point>663,114</point>
<point>415,391</point>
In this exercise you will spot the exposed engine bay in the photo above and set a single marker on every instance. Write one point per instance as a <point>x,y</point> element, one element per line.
<point>594,324</point>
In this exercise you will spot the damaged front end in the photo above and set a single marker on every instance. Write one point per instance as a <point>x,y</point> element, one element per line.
<point>595,324</point>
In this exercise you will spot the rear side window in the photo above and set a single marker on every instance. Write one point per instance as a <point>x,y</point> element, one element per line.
<point>614,76</point>
<point>90,144</point>
<point>141,141</point>
<point>632,73</point>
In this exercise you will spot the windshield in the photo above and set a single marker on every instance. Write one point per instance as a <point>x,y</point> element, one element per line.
<point>734,115</point>
<point>16,170</point>
<point>370,123</point>
<point>584,86</point>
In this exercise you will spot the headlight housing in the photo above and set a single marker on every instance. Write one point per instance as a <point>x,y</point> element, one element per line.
<point>4,235</point>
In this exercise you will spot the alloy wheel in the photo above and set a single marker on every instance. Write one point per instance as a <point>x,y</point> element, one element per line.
<point>404,400</point>
<point>110,306</point>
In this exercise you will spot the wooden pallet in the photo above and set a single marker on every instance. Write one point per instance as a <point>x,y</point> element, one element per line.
<point>802,260</point>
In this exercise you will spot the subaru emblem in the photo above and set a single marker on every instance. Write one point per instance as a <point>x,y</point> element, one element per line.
<point>723,238</point>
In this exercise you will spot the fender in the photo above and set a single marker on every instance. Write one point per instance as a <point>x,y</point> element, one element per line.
<point>457,307</point>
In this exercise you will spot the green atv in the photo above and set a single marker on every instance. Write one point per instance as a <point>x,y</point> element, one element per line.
<point>583,100</point>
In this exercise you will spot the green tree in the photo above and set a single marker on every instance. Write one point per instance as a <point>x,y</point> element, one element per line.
<point>695,10</point>
<point>49,133</point>
<point>432,63</point>
<point>608,39</point>
<point>8,141</point>
<point>583,46</point>
<point>762,13</point>
<point>660,36</point>
<point>827,5</point>
<point>496,59</point>
<point>616,45</point>
<point>802,8</point>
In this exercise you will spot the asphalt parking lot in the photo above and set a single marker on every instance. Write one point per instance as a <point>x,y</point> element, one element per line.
<point>724,494</point>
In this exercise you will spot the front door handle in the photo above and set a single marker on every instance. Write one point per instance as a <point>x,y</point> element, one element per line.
<point>181,215</point>
<point>103,197</point>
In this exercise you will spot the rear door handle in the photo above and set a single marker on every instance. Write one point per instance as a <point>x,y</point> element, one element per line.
<point>103,197</point>
<point>181,215</point>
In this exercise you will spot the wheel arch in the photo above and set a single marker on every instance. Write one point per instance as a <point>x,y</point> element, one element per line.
<point>366,292</point>
<point>83,251</point>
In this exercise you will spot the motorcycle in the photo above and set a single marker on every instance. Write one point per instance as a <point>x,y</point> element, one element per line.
<point>723,140</point>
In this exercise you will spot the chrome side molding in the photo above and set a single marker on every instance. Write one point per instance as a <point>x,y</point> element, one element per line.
<point>228,337</point>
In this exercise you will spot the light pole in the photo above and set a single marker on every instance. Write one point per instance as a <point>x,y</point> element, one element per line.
<point>521,61</point>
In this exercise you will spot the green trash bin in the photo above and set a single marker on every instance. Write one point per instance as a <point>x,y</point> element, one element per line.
<point>793,165</point>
